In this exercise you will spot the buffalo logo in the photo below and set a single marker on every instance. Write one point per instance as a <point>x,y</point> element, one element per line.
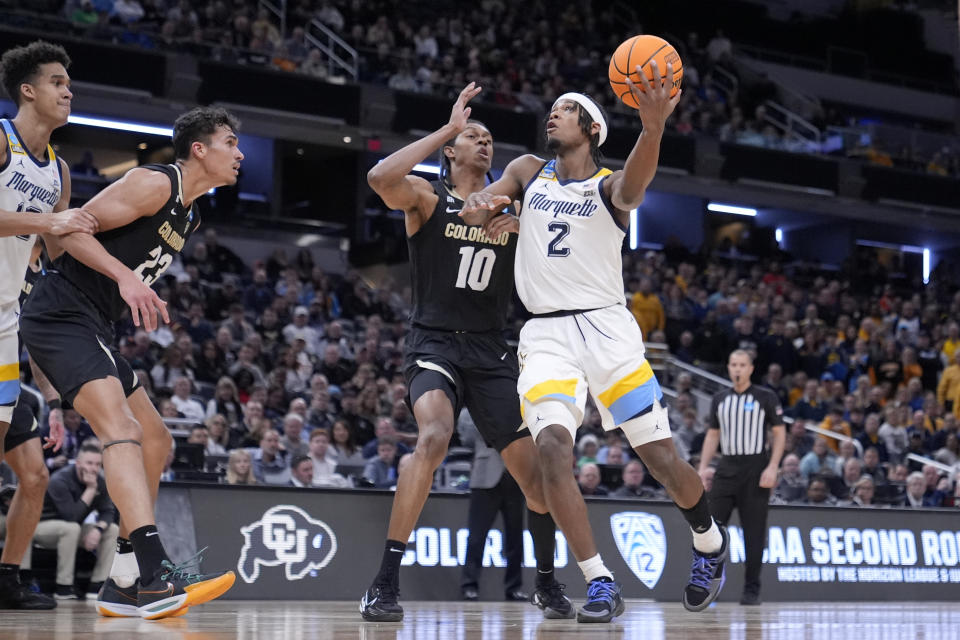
<point>286,535</point>
<point>642,543</point>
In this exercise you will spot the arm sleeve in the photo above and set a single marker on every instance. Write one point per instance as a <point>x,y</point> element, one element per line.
<point>68,508</point>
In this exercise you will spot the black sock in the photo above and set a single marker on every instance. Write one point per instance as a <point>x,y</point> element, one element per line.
<point>390,565</point>
<point>543,531</point>
<point>9,572</point>
<point>124,545</point>
<point>698,515</point>
<point>149,550</point>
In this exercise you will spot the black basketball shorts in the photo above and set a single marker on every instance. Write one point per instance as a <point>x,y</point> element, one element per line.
<point>68,338</point>
<point>23,427</point>
<point>475,370</point>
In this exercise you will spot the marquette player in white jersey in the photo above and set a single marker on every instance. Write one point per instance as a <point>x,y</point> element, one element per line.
<point>582,337</point>
<point>34,198</point>
<point>67,324</point>
<point>455,354</point>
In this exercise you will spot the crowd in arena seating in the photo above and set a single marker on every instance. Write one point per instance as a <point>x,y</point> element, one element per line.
<point>289,375</point>
<point>522,55</point>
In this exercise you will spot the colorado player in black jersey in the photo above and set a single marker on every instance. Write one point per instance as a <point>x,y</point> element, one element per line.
<point>455,354</point>
<point>23,452</point>
<point>67,324</point>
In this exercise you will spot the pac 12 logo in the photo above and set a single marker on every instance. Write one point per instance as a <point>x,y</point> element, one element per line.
<point>642,542</point>
<point>286,535</point>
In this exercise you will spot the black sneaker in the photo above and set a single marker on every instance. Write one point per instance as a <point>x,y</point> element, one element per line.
<point>750,598</point>
<point>470,593</point>
<point>604,601</point>
<point>379,604</point>
<point>114,601</point>
<point>707,576</point>
<point>553,601</point>
<point>14,595</point>
<point>66,592</point>
<point>173,588</point>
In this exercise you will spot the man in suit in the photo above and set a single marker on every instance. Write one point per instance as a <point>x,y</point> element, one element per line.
<point>492,490</point>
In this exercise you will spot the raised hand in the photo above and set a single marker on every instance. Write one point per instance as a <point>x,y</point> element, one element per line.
<point>654,102</point>
<point>510,223</point>
<point>55,422</point>
<point>461,112</point>
<point>481,201</point>
<point>71,221</point>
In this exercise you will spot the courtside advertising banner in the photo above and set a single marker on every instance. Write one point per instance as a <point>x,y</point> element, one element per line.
<point>287,543</point>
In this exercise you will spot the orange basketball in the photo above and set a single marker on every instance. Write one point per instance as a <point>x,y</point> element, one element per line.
<point>640,50</point>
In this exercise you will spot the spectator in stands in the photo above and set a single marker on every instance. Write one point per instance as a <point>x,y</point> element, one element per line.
<point>245,362</point>
<point>270,463</point>
<point>872,466</point>
<point>589,480</point>
<point>74,493</point>
<point>219,440</point>
<point>870,438</point>
<point>223,259</point>
<point>774,381</point>
<point>933,495</point>
<point>226,402</point>
<point>821,460</point>
<point>809,407</point>
<point>324,461</point>
<point>240,468</point>
<point>862,494</point>
<point>588,446</point>
<point>334,366</point>
<point>381,469</point>
<point>916,490</point>
<point>75,432</point>
<point>185,404</point>
<point>236,323</point>
<point>384,431</point>
<point>647,309</point>
<point>894,430</point>
<point>292,440</point>
<point>818,493</point>
<point>843,485</point>
<point>848,451</point>
<point>301,471</point>
<point>633,487</point>
<point>950,452</point>
<point>172,366</point>
<point>799,440</point>
<point>792,485</point>
<point>299,329</point>
<point>344,445</point>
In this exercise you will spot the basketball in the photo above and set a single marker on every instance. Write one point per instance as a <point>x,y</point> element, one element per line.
<point>641,50</point>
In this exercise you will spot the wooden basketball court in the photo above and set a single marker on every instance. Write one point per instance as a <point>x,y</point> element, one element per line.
<point>262,620</point>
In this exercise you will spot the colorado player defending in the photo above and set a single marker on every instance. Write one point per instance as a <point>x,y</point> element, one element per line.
<point>582,337</point>
<point>455,353</point>
<point>67,324</point>
<point>34,196</point>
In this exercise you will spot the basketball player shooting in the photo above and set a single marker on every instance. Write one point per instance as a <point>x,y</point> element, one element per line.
<point>581,338</point>
<point>144,219</point>
<point>455,354</point>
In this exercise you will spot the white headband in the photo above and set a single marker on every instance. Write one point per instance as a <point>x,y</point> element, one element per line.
<point>590,107</point>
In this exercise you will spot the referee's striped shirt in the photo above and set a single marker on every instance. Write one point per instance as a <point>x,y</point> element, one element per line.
<point>743,419</point>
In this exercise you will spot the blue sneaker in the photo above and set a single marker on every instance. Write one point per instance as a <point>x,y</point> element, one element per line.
<point>707,576</point>
<point>604,601</point>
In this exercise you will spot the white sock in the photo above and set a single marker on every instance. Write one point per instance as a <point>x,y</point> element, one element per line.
<point>710,541</point>
<point>594,568</point>
<point>125,569</point>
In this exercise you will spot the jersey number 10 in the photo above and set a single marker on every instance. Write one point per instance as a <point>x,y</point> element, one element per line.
<point>476,267</point>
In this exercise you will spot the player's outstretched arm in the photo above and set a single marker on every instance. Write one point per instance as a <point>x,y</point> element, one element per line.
<point>390,178</point>
<point>63,219</point>
<point>479,207</point>
<point>139,193</point>
<point>627,188</point>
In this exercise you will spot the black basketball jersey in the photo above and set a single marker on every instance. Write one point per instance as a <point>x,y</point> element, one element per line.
<point>461,279</point>
<point>30,278</point>
<point>146,245</point>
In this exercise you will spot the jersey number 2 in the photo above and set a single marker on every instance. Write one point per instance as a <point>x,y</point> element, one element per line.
<point>151,268</point>
<point>476,267</point>
<point>562,229</point>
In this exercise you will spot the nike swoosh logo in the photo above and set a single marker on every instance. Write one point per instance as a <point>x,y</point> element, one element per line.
<point>503,356</point>
<point>153,533</point>
<point>449,210</point>
<point>169,590</point>
<point>396,550</point>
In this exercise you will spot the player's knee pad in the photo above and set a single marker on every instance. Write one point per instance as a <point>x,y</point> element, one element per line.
<point>651,426</point>
<point>537,416</point>
<point>6,413</point>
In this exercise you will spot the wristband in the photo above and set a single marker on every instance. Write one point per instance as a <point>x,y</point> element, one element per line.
<point>54,404</point>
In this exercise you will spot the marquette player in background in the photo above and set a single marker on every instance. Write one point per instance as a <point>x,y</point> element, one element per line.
<point>67,325</point>
<point>455,353</point>
<point>34,196</point>
<point>582,337</point>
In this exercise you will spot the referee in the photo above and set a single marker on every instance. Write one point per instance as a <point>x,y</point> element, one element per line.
<point>739,419</point>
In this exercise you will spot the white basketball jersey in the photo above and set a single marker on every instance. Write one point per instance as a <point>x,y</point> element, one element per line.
<point>29,186</point>
<point>568,253</point>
